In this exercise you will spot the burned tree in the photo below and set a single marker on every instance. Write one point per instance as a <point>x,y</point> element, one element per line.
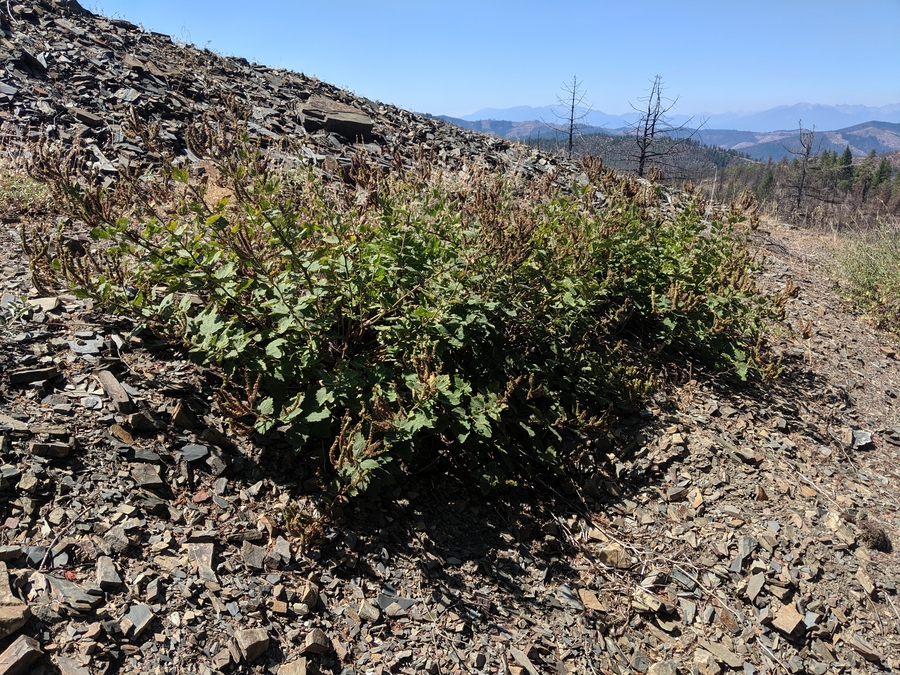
<point>570,120</point>
<point>658,141</point>
<point>803,156</point>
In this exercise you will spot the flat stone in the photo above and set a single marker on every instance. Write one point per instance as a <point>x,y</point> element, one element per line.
<point>16,659</point>
<point>73,595</point>
<point>254,556</point>
<point>299,667</point>
<point>253,642</point>
<point>522,659</point>
<point>706,663</point>
<point>868,651</point>
<point>69,666</point>
<point>87,117</point>
<point>12,424</point>
<point>146,455</point>
<point>201,552</point>
<point>755,585</point>
<point>147,476</point>
<point>590,600</point>
<point>51,450</point>
<point>316,642</point>
<point>787,619</point>
<point>194,453</point>
<point>107,577</point>
<point>29,375</point>
<point>86,347</point>
<point>121,434</point>
<point>663,668</point>
<point>139,617</point>
<point>45,304</point>
<point>12,618</point>
<point>121,401</point>
<point>221,659</point>
<point>722,653</point>
<point>91,402</point>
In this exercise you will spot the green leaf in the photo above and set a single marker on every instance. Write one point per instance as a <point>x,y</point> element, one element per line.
<point>266,406</point>
<point>273,349</point>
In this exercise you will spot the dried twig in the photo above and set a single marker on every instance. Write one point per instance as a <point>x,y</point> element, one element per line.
<point>62,532</point>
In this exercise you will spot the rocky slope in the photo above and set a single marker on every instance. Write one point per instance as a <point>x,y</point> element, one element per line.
<point>732,529</point>
<point>102,83</point>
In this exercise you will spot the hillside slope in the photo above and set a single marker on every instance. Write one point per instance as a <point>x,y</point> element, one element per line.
<point>97,82</point>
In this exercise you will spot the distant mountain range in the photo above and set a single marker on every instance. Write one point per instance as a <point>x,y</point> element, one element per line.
<point>786,117</point>
<point>883,137</point>
<point>862,137</point>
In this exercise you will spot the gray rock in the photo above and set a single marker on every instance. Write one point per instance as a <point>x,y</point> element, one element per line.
<point>107,577</point>
<point>86,346</point>
<point>254,556</point>
<point>137,619</point>
<point>194,453</point>
<point>253,642</point>
<point>369,612</point>
<point>147,476</point>
<point>18,657</point>
<point>73,595</point>
<point>117,539</point>
<point>69,666</point>
<point>316,642</point>
<point>12,618</point>
<point>282,552</point>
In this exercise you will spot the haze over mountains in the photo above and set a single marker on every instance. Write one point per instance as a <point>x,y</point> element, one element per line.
<point>762,135</point>
<point>823,117</point>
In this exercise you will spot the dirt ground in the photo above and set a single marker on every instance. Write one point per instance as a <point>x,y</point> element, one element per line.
<point>730,527</point>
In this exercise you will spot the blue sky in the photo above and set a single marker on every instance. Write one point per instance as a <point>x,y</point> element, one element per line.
<point>457,57</point>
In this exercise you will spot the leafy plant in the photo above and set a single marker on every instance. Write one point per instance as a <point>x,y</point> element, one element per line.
<point>871,269</point>
<point>385,321</point>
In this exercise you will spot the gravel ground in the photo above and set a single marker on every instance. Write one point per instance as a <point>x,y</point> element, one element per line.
<point>728,528</point>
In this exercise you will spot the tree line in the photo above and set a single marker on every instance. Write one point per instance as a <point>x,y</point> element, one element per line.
<point>813,187</point>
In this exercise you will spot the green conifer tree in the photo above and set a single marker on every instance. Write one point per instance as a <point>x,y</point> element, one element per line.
<point>882,173</point>
<point>845,173</point>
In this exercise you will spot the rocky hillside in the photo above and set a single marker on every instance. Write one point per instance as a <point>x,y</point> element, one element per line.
<point>104,82</point>
<point>731,529</point>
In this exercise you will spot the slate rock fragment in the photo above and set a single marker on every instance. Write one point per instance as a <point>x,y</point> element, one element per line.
<point>18,657</point>
<point>252,642</point>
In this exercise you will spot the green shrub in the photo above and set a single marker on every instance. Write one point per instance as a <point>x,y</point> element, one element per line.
<point>871,271</point>
<point>384,321</point>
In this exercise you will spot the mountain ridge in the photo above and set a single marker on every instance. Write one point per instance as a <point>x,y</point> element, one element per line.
<point>781,118</point>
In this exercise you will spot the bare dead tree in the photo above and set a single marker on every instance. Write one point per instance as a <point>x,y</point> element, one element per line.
<point>572,102</point>
<point>658,141</point>
<point>804,155</point>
